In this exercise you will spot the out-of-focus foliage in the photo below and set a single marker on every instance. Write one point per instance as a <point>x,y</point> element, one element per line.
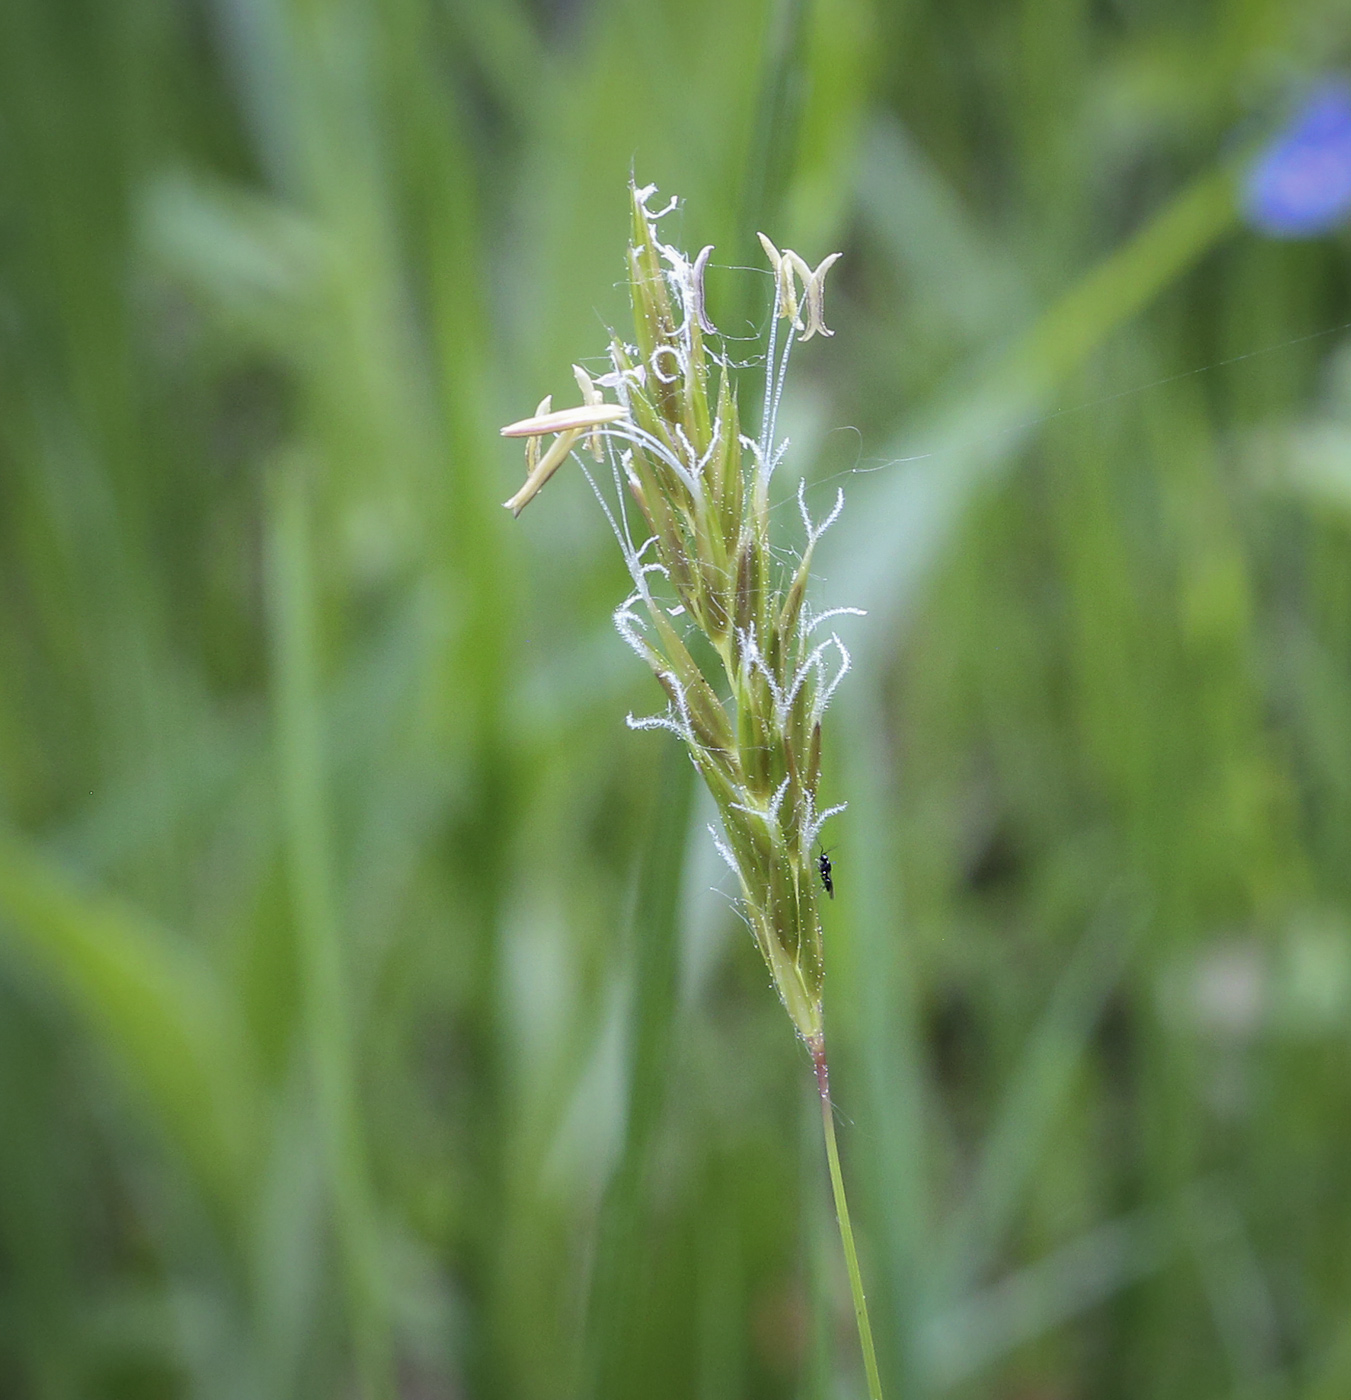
<point>373,1020</point>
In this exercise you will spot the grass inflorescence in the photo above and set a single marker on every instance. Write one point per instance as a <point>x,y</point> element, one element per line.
<point>705,564</point>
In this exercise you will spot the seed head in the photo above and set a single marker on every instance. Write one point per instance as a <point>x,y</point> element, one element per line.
<point>694,493</point>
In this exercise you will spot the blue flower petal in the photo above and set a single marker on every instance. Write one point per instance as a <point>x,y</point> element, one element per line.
<point>1301,185</point>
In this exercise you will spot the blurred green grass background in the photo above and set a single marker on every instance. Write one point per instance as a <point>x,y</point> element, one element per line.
<point>373,1017</point>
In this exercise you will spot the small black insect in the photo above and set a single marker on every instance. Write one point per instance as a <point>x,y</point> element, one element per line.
<point>823,865</point>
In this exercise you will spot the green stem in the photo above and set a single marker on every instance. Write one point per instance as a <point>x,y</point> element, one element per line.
<point>817,1045</point>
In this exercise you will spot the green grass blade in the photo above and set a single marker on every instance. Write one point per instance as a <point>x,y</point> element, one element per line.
<point>325,994</point>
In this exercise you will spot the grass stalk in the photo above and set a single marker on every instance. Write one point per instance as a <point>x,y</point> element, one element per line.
<point>817,1045</point>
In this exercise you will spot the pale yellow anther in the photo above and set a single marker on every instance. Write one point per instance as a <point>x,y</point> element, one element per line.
<point>532,444</point>
<point>544,468</point>
<point>564,420</point>
<point>697,292</point>
<point>785,293</point>
<point>815,283</point>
